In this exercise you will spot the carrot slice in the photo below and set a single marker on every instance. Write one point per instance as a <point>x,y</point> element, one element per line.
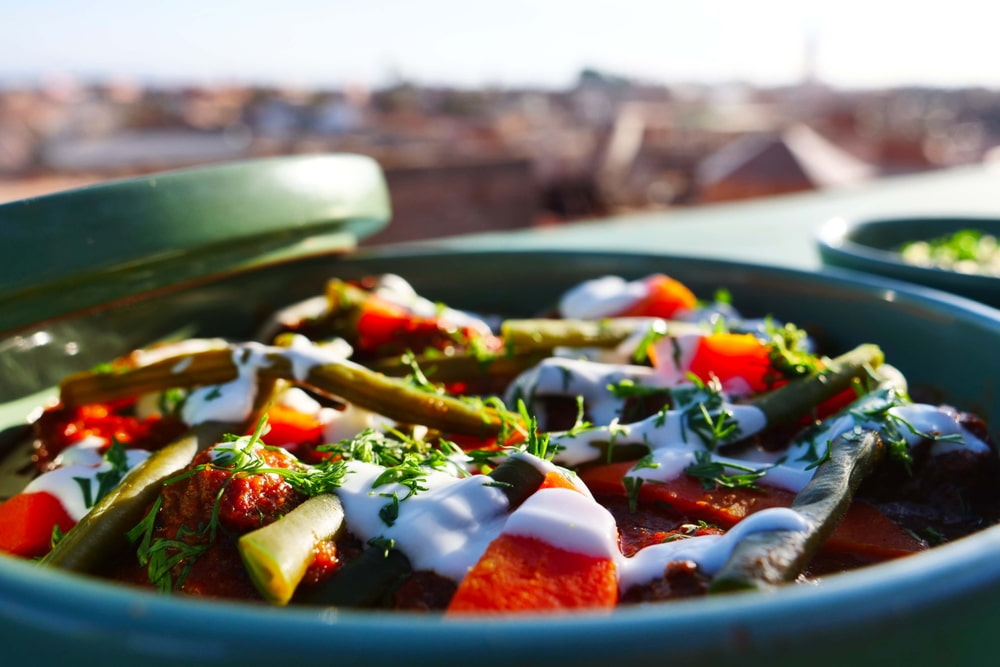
<point>26,523</point>
<point>525,574</point>
<point>864,531</point>
<point>556,480</point>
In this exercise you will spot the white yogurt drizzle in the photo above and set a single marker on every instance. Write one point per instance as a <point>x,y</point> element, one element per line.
<point>234,401</point>
<point>673,446</point>
<point>396,289</point>
<point>338,424</point>
<point>917,422</point>
<point>560,376</point>
<point>708,552</point>
<point>447,527</point>
<point>392,288</point>
<point>668,435</point>
<point>230,402</point>
<point>79,466</point>
<point>601,297</point>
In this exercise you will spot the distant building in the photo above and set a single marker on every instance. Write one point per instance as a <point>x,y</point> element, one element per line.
<point>758,165</point>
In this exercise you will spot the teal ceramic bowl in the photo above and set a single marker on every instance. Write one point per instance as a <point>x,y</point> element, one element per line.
<point>873,246</point>
<point>938,607</point>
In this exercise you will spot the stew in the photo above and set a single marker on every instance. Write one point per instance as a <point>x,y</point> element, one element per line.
<point>375,449</point>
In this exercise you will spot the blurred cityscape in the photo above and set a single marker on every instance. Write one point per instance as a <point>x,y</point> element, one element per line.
<point>463,160</point>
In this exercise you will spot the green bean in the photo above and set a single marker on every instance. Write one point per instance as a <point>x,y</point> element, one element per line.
<point>769,558</point>
<point>206,367</point>
<point>362,583</point>
<point>344,380</point>
<point>401,401</point>
<point>517,478</point>
<point>543,334</point>
<point>101,532</point>
<point>781,405</point>
<point>459,367</point>
<point>278,555</point>
<point>801,395</point>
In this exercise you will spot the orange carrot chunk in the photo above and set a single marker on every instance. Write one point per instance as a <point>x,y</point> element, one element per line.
<point>556,480</point>
<point>665,298</point>
<point>525,574</point>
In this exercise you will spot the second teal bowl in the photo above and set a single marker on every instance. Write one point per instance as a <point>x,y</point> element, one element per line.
<point>873,246</point>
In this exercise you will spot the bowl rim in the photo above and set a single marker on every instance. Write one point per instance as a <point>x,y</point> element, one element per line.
<point>134,616</point>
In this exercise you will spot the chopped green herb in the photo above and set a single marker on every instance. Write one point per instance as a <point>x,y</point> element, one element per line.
<point>384,543</point>
<point>108,479</point>
<point>632,486</point>
<point>713,474</point>
<point>656,332</point>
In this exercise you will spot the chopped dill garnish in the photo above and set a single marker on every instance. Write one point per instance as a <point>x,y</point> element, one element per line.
<point>713,474</point>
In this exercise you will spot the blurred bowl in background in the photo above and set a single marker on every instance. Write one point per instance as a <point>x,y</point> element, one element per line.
<point>874,246</point>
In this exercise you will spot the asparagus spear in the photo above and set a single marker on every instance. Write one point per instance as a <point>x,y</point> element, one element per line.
<point>364,581</point>
<point>529,341</point>
<point>766,559</point>
<point>546,334</point>
<point>101,532</point>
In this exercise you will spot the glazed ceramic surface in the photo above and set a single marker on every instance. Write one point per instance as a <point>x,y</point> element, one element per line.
<point>873,246</point>
<point>938,607</point>
<point>82,248</point>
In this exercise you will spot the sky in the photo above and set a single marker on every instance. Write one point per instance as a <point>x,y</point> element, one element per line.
<point>845,43</point>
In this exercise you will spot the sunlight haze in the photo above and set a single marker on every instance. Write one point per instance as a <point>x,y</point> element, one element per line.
<point>514,43</point>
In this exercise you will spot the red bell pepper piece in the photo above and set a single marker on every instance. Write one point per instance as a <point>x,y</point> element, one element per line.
<point>27,521</point>
<point>864,531</point>
<point>730,355</point>
<point>290,427</point>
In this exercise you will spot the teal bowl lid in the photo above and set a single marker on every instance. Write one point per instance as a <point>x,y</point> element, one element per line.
<point>79,249</point>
